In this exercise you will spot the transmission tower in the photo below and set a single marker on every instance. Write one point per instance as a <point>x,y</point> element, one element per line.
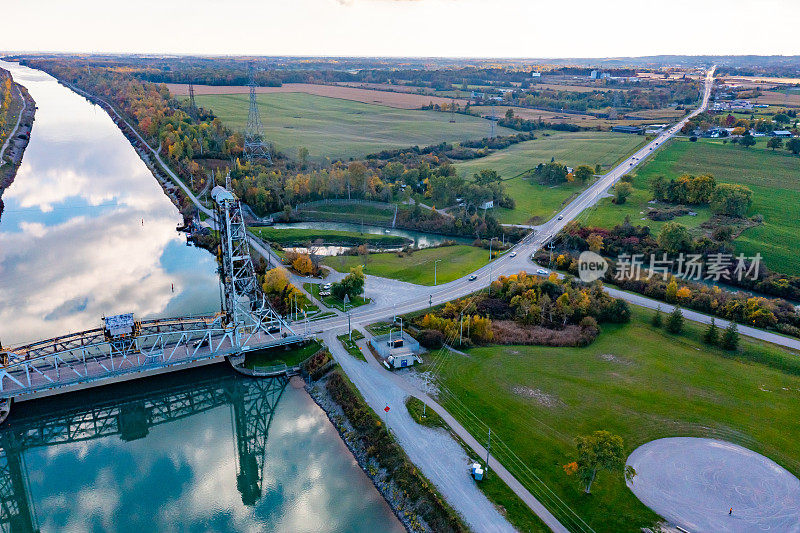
<point>192,103</point>
<point>254,146</point>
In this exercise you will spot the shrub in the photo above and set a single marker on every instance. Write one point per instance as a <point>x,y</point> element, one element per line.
<point>431,339</point>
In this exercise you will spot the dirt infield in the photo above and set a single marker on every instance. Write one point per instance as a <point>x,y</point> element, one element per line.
<point>389,99</point>
<point>694,482</point>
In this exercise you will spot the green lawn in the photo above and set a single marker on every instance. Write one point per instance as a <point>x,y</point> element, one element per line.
<point>335,128</point>
<point>774,178</point>
<point>332,301</point>
<point>291,236</point>
<point>634,380</point>
<point>350,345</point>
<point>292,355</point>
<point>456,261</point>
<point>572,149</point>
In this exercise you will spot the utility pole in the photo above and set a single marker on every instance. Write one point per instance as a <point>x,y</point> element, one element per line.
<point>350,329</point>
<point>434,271</point>
<point>461,329</point>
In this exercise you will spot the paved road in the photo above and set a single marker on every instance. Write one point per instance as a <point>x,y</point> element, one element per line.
<point>435,453</point>
<point>392,297</point>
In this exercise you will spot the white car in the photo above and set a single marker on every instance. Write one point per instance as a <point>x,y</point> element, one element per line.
<point>327,286</point>
<point>542,272</point>
<point>513,254</point>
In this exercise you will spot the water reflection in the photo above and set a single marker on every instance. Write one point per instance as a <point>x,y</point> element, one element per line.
<point>202,450</point>
<point>419,239</point>
<point>87,230</point>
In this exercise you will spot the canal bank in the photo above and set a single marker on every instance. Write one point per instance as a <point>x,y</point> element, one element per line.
<point>88,233</point>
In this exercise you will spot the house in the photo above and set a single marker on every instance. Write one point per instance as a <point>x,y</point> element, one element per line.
<point>627,129</point>
<point>780,133</point>
<point>488,204</point>
<point>593,75</point>
<point>536,74</point>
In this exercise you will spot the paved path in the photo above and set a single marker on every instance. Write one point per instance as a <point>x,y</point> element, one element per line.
<point>436,454</point>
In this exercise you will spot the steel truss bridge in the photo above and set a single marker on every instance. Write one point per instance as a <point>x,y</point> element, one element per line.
<point>252,403</point>
<point>76,360</point>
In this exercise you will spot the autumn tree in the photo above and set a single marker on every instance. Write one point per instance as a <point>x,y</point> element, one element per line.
<point>303,265</point>
<point>601,450</point>
<point>674,237</point>
<point>731,200</point>
<point>584,173</point>
<point>622,191</point>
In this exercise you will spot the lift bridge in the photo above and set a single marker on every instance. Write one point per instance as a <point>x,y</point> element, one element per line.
<point>130,416</point>
<point>125,346</point>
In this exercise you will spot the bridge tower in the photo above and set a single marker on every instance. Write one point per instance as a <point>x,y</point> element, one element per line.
<point>247,311</point>
<point>254,146</point>
<point>253,406</point>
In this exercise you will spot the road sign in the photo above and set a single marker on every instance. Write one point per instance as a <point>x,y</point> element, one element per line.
<point>386,408</point>
<point>346,298</point>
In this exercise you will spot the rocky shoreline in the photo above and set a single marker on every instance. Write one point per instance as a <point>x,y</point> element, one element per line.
<point>12,158</point>
<point>392,493</point>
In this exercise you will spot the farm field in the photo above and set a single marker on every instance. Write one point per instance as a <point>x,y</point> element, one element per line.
<point>572,149</point>
<point>636,381</point>
<point>579,119</point>
<point>399,99</point>
<point>417,267</point>
<point>337,128</point>
<point>774,178</point>
<point>779,98</point>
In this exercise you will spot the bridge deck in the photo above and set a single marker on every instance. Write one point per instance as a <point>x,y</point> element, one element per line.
<point>56,367</point>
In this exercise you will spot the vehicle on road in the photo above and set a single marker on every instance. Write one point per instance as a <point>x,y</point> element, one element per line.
<point>327,286</point>
<point>542,272</point>
<point>560,217</point>
<point>473,277</point>
<point>513,254</point>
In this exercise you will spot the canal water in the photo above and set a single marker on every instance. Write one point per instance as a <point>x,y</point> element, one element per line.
<point>87,231</point>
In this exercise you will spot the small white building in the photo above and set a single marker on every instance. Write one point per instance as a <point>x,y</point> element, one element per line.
<point>488,204</point>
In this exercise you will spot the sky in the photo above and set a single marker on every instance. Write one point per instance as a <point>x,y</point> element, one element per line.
<point>427,28</point>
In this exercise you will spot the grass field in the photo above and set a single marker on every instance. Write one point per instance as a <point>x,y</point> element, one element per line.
<point>572,149</point>
<point>774,178</point>
<point>456,261</point>
<point>337,128</point>
<point>635,381</point>
<point>287,236</point>
<point>292,356</point>
<point>333,302</point>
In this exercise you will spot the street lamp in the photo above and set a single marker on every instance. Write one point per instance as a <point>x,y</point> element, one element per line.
<point>434,271</point>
